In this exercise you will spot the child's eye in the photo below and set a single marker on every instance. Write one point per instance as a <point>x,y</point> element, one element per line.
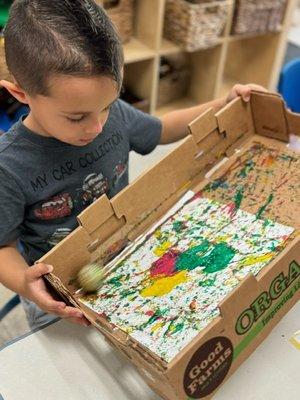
<point>76,120</point>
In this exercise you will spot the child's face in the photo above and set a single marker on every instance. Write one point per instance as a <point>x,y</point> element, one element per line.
<point>76,109</point>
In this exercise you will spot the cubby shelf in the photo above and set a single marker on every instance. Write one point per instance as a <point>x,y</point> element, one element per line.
<point>135,51</point>
<point>249,58</point>
<point>255,58</point>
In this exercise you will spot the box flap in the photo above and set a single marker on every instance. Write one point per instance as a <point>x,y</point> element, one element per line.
<point>269,115</point>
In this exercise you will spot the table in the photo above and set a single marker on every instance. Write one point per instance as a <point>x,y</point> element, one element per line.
<point>64,361</point>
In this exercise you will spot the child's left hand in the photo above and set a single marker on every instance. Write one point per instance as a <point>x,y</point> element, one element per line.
<point>244,91</point>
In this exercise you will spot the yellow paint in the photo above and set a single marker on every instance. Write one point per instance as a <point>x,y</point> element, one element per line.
<point>157,233</point>
<point>163,286</point>
<point>158,326</point>
<point>231,282</point>
<point>162,249</point>
<point>223,238</point>
<point>295,340</point>
<point>257,259</point>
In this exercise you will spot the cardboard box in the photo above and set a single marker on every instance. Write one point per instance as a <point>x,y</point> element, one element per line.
<point>247,314</point>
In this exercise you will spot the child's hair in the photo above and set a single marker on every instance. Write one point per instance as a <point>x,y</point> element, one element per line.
<point>44,38</point>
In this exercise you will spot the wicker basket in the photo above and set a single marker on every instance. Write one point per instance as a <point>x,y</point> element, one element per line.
<point>121,14</point>
<point>195,25</point>
<point>258,16</point>
<point>173,84</point>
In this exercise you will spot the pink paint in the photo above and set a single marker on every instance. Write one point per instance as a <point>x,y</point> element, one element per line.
<point>230,209</point>
<point>165,266</point>
<point>197,195</point>
<point>150,313</point>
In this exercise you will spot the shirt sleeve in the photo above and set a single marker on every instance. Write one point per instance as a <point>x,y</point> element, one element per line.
<point>144,130</point>
<point>12,206</point>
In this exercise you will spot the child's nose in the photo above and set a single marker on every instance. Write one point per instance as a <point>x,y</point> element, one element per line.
<point>94,128</point>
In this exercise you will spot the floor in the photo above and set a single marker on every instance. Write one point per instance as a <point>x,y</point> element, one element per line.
<point>15,323</point>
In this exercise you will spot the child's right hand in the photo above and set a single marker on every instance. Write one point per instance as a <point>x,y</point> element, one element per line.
<point>36,291</point>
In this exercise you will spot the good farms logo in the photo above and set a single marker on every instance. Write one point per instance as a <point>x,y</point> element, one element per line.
<point>208,367</point>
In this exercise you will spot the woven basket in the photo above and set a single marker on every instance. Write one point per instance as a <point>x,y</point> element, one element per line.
<point>258,16</point>
<point>195,25</point>
<point>173,85</point>
<point>121,14</point>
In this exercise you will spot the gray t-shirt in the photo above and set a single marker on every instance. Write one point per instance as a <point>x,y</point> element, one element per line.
<point>45,183</point>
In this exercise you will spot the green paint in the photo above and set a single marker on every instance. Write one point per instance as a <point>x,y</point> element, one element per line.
<point>116,281</point>
<point>238,198</point>
<point>174,328</point>
<point>263,208</point>
<point>178,226</point>
<point>249,166</point>
<point>216,260</point>
<point>190,259</point>
<point>219,258</point>
<point>207,282</point>
<point>178,328</point>
<point>159,313</point>
<point>127,292</point>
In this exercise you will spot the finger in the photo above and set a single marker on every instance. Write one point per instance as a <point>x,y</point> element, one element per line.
<point>37,271</point>
<point>79,321</point>
<point>71,312</point>
<point>243,91</point>
<point>46,302</point>
<point>259,88</point>
<point>51,306</point>
<point>246,94</point>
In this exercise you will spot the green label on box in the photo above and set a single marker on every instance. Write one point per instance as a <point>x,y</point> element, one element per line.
<point>211,363</point>
<point>266,306</point>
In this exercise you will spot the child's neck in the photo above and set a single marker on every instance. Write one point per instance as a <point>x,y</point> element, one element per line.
<point>31,123</point>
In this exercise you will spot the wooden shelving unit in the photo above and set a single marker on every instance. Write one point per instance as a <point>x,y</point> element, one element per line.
<point>244,59</point>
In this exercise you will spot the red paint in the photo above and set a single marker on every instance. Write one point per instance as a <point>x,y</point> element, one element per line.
<point>197,195</point>
<point>165,266</point>
<point>150,313</point>
<point>268,161</point>
<point>230,209</point>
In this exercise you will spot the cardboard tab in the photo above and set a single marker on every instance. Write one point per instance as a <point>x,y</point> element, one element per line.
<point>269,116</point>
<point>95,215</point>
<point>233,120</point>
<point>202,126</point>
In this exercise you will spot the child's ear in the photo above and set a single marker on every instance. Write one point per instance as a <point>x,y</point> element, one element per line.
<point>15,90</point>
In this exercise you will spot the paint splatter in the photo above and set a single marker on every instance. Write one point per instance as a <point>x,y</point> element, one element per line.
<point>164,298</point>
<point>163,286</point>
<point>263,181</point>
<point>264,207</point>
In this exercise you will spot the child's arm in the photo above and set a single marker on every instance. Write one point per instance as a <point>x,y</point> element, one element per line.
<point>175,123</point>
<point>28,282</point>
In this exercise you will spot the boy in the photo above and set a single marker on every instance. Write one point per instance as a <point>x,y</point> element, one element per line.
<point>67,63</point>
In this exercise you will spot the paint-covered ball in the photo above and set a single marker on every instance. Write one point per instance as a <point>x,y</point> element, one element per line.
<point>90,277</point>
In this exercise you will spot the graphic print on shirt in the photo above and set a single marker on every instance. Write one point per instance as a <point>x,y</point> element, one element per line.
<point>58,206</point>
<point>93,187</point>
<point>58,236</point>
<point>118,172</point>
